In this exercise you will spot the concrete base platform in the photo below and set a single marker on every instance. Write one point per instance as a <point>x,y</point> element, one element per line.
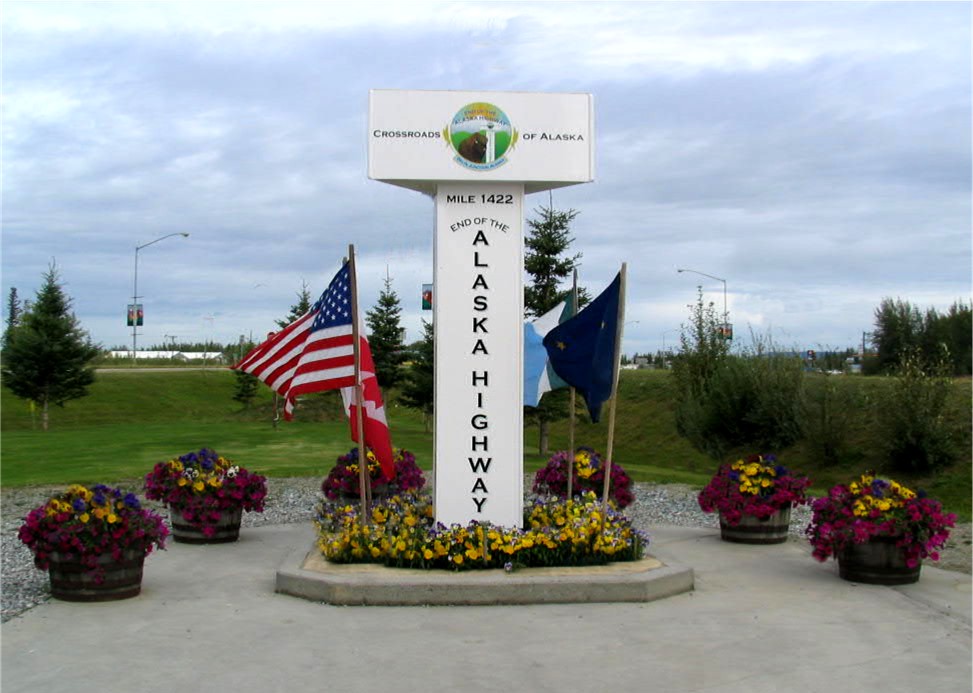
<point>308,575</point>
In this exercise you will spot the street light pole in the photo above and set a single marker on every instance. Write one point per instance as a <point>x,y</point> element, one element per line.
<point>135,288</point>
<point>725,313</point>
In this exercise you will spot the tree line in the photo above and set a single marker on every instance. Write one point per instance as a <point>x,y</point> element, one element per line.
<point>903,330</point>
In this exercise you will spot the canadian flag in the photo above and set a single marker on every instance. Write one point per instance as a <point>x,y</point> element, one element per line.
<point>373,413</point>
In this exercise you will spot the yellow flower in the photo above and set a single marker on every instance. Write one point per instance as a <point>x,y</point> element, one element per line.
<point>84,517</point>
<point>199,486</point>
<point>112,518</point>
<point>376,552</point>
<point>427,554</point>
<point>182,481</point>
<point>458,559</point>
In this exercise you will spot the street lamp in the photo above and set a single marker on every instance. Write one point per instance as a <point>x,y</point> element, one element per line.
<point>135,288</point>
<point>675,329</point>
<point>725,313</point>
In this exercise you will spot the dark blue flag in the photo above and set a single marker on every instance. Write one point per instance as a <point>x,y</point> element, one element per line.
<point>582,350</point>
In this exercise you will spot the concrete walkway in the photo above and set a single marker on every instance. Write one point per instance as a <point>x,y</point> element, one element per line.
<point>762,618</point>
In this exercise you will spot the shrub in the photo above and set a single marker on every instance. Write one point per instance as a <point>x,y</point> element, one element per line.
<point>831,404</point>
<point>911,416</point>
<point>752,400</point>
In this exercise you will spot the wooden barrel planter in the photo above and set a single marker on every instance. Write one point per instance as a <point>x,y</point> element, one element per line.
<point>227,528</point>
<point>876,562</point>
<point>122,579</point>
<point>750,530</point>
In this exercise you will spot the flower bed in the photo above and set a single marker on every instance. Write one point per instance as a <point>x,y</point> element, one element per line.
<point>402,533</point>
<point>87,524</point>
<point>756,487</point>
<point>873,507</point>
<point>589,477</point>
<point>343,479</point>
<point>202,485</point>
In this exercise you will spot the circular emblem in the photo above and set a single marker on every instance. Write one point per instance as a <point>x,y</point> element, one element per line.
<point>481,136</point>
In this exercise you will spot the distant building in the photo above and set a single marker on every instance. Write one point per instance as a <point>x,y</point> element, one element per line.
<point>176,355</point>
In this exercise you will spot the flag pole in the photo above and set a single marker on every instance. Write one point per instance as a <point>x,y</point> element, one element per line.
<point>611,410</point>
<point>570,470</point>
<point>364,485</point>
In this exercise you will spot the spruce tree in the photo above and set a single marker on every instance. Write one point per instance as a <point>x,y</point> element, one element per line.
<point>13,315</point>
<point>548,239</point>
<point>302,306</point>
<point>46,360</point>
<point>385,338</point>
<point>419,378</point>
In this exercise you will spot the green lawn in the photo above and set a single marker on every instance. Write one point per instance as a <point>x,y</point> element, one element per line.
<point>132,420</point>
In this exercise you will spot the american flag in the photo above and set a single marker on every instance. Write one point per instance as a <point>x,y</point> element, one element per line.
<point>316,353</point>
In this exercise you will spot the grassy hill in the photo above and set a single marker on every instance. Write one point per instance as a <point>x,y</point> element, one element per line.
<point>133,419</point>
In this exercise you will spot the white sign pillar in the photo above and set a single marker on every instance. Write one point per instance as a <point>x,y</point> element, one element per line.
<point>478,154</point>
<point>479,316</point>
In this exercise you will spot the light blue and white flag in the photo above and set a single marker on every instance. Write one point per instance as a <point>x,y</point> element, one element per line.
<point>539,377</point>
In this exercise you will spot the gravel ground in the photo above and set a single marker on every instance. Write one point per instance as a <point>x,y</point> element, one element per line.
<point>294,500</point>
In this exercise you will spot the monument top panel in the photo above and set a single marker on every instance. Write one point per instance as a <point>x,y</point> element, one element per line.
<point>417,139</point>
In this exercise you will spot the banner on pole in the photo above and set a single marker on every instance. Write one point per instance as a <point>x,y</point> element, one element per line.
<point>135,315</point>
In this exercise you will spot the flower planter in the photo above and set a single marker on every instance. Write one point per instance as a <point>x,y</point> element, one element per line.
<point>122,579</point>
<point>876,562</point>
<point>750,530</point>
<point>226,529</point>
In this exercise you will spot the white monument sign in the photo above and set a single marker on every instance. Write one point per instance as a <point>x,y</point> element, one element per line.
<point>478,153</point>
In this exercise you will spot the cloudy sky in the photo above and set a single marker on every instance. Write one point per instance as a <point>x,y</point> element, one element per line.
<point>816,156</point>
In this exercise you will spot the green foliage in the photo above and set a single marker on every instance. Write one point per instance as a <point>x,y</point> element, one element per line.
<point>418,384</point>
<point>548,238</point>
<point>702,353</point>
<point>831,403</point>
<point>385,339</point>
<point>725,401</point>
<point>46,358</point>
<point>13,315</point>
<point>912,415</point>
<point>302,306</point>
<point>131,420</point>
<point>901,328</point>
<point>246,388</point>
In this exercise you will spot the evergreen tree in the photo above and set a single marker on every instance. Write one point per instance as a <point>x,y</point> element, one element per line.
<point>385,338</point>
<point>418,382</point>
<point>46,360</point>
<point>245,387</point>
<point>548,238</point>
<point>13,315</point>
<point>302,306</point>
